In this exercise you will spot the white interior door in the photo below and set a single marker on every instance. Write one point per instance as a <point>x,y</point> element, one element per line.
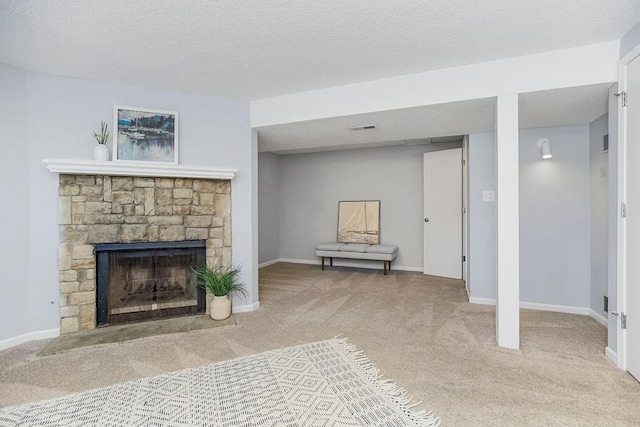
<point>633,217</point>
<point>443,213</point>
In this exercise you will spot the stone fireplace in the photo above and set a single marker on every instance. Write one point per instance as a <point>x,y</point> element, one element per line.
<point>105,209</point>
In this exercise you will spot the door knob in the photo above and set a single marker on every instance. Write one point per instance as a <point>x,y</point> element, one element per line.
<point>426,220</point>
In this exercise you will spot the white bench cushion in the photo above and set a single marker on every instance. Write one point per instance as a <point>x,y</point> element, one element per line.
<point>357,251</point>
<point>381,249</point>
<point>357,255</point>
<point>330,246</point>
<point>353,247</point>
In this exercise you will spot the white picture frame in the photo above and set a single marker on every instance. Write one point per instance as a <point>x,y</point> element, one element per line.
<point>359,221</point>
<point>145,135</point>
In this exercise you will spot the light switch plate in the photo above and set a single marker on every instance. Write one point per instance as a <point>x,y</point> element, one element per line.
<point>488,196</point>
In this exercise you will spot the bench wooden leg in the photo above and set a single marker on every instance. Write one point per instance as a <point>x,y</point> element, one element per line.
<point>331,261</point>
<point>322,263</point>
<point>385,267</point>
<point>389,265</point>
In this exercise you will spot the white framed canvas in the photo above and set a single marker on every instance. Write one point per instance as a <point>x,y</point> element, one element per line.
<point>359,221</point>
<point>145,135</point>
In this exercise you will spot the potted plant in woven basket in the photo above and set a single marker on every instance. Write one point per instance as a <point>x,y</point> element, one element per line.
<point>222,281</point>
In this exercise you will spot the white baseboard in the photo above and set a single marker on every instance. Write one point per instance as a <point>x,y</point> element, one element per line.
<point>598,318</point>
<point>482,301</point>
<point>268,263</point>
<point>611,355</point>
<point>403,268</point>
<point>29,336</point>
<point>299,261</point>
<point>246,308</point>
<point>584,311</point>
<point>342,263</point>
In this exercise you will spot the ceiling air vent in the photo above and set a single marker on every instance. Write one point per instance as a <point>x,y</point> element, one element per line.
<point>366,127</point>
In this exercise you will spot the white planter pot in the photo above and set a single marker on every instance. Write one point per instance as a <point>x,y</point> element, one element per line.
<point>101,153</point>
<point>220,307</point>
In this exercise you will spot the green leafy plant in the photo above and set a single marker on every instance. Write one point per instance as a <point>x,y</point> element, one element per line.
<point>103,136</point>
<point>220,280</point>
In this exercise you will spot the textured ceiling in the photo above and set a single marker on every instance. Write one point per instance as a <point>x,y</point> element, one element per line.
<point>560,107</point>
<point>254,49</point>
<point>455,118</point>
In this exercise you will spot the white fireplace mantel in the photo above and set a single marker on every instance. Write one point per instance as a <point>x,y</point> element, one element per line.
<point>123,168</point>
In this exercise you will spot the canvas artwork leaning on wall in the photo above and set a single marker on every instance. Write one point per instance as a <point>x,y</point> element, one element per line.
<point>145,135</point>
<point>359,221</point>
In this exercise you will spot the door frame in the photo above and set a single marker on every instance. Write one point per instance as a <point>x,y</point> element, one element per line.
<point>621,276</point>
<point>465,212</point>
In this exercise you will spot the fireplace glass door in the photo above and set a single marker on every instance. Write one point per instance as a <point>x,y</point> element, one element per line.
<point>138,282</point>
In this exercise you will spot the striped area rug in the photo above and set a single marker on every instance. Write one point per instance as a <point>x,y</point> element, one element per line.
<point>327,383</point>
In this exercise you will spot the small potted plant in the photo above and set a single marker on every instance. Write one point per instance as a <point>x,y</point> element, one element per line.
<point>100,151</point>
<point>221,281</point>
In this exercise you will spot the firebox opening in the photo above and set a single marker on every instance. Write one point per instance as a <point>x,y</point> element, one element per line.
<point>148,281</point>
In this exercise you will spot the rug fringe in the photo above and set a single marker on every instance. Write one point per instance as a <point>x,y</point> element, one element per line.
<point>388,388</point>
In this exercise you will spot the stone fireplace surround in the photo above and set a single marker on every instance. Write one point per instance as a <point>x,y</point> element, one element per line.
<point>95,209</point>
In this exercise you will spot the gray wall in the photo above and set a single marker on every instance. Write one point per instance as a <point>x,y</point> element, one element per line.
<point>554,217</point>
<point>599,213</point>
<point>482,216</point>
<point>15,312</point>
<point>311,185</point>
<point>268,207</point>
<point>630,40</point>
<point>61,113</point>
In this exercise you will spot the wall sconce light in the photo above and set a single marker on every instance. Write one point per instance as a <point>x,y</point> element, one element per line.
<point>545,148</point>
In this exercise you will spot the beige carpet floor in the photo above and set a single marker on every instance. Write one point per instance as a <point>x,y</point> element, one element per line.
<point>417,329</point>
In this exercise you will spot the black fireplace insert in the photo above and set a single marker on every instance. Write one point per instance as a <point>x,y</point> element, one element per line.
<point>148,281</point>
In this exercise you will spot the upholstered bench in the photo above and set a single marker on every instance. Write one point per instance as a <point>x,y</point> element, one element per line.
<point>331,250</point>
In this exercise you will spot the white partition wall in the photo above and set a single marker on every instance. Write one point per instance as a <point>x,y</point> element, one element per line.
<point>507,223</point>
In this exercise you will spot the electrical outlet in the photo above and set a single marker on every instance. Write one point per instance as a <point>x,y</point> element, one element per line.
<point>488,196</point>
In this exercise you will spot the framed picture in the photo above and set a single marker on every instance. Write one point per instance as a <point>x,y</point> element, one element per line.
<point>145,135</point>
<point>359,222</point>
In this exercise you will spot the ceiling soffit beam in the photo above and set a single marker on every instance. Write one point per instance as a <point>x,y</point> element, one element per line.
<point>579,66</point>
